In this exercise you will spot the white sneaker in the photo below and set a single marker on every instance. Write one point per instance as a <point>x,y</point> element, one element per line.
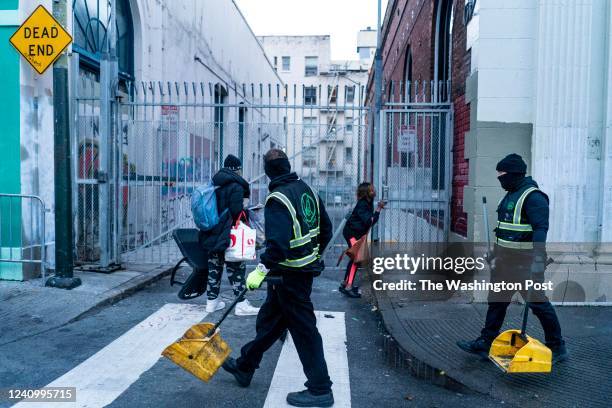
<point>244,308</point>
<point>214,305</point>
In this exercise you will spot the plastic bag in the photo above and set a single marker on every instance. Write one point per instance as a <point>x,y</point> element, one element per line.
<point>242,242</point>
<point>257,221</point>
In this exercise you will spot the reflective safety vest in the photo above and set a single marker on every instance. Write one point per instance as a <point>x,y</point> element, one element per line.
<point>303,205</point>
<point>512,231</point>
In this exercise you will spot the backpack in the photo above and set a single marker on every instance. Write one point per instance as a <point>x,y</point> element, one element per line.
<point>204,207</point>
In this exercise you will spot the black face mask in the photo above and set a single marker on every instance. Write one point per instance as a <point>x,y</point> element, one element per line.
<point>511,181</point>
<point>277,167</point>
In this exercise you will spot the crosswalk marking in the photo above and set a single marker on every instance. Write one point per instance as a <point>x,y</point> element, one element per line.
<point>100,379</point>
<point>289,376</point>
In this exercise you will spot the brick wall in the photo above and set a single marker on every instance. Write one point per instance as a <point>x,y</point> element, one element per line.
<point>411,23</point>
<point>460,71</point>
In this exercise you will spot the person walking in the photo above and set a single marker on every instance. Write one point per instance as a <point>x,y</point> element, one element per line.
<point>232,192</point>
<point>297,231</point>
<point>362,218</point>
<point>519,254</point>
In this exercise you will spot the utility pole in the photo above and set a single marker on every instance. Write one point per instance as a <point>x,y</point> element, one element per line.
<point>377,137</point>
<point>64,275</point>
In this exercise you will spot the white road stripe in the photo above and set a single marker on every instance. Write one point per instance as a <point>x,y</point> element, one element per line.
<point>289,376</point>
<point>100,379</point>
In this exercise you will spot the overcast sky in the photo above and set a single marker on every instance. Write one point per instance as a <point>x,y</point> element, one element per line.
<point>341,19</point>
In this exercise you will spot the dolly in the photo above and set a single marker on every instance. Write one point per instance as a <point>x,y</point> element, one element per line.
<point>513,351</point>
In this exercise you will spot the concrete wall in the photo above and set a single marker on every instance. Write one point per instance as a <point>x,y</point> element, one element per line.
<point>539,87</point>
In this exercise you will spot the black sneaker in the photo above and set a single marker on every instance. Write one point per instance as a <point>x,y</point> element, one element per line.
<point>349,292</point>
<point>559,354</point>
<point>308,399</point>
<point>479,346</point>
<point>242,377</point>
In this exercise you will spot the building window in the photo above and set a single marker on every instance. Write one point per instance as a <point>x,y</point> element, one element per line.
<point>348,125</point>
<point>331,126</point>
<point>312,66</point>
<point>310,95</point>
<point>348,154</point>
<point>310,128</point>
<point>275,63</point>
<point>286,63</point>
<point>332,94</point>
<point>219,124</point>
<point>242,112</point>
<point>407,77</point>
<point>90,19</point>
<point>444,35</point>
<point>350,95</point>
<point>331,157</point>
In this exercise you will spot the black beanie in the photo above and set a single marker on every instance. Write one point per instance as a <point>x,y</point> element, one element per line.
<point>512,163</point>
<point>232,162</point>
<point>277,167</point>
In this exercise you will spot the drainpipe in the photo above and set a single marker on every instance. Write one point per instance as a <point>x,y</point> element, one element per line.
<point>377,138</point>
<point>604,139</point>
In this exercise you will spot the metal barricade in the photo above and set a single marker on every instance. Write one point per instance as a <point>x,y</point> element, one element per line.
<point>22,235</point>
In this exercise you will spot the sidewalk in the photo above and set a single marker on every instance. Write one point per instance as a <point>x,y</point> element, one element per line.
<point>28,308</point>
<point>426,330</point>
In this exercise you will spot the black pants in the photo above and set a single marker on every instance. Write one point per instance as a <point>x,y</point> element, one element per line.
<point>513,271</point>
<point>288,306</point>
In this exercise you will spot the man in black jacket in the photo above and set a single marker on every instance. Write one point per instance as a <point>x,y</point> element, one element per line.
<point>519,254</point>
<point>297,231</point>
<point>232,193</point>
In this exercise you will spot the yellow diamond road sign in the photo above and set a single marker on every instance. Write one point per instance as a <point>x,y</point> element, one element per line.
<point>41,39</point>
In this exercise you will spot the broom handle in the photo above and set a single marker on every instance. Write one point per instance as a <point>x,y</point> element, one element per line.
<point>486,223</point>
<point>274,280</point>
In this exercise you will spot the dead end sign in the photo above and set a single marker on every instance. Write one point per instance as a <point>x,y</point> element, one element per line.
<point>41,39</point>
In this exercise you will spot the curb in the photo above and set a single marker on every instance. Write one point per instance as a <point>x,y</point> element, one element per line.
<point>403,358</point>
<point>124,290</point>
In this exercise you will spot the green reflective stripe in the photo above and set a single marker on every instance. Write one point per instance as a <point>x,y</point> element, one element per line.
<point>518,209</point>
<point>514,227</point>
<point>294,243</point>
<point>297,230</point>
<point>514,245</point>
<point>298,263</point>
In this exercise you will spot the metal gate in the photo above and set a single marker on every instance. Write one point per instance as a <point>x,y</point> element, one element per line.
<point>416,128</point>
<point>171,137</point>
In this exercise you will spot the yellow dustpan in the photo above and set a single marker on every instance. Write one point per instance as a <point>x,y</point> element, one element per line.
<point>201,351</point>
<point>515,352</point>
<point>198,352</point>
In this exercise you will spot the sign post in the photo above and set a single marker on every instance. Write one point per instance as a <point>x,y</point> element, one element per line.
<point>41,40</point>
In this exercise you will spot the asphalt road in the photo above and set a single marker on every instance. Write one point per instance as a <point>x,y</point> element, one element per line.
<point>38,361</point>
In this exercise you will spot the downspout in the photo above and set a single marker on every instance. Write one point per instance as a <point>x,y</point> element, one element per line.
<point>604,133</point>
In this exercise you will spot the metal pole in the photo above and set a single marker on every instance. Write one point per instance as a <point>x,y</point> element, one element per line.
<point>64,277</point>
<point>108,83</point>
<point>377,136</point>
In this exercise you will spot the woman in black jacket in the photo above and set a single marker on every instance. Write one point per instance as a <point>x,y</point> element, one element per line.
<point>363,217</point>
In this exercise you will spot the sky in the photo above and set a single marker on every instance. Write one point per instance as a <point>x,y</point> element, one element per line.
<point>341,19</point>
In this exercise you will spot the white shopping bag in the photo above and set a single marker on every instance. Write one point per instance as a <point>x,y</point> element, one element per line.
<point>242,242</point>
